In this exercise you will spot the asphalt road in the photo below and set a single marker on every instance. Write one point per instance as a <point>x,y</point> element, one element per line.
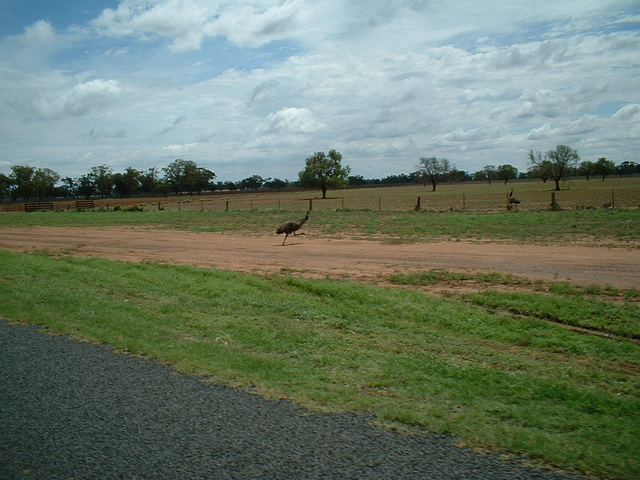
<point>72,410</point>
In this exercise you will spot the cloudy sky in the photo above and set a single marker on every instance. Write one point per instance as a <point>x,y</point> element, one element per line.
<point>246,87</point>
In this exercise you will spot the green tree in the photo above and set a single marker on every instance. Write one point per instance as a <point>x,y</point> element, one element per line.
<point>102,178</point>
<point>44,183</point>
<point>557,164</point>
<point>68,188</point>
<point>434,170</point>
<point>5,186</point>
<point>204,180</point>
<point>276,183</point>
<point>324,172</point>
<point>604,167</point>
<point>127,183</point>
<point>541,169</point>
<point>179,173</point>
<point>586,168</point>
<point>254,182</point>
<point>149,181</point>
<point>488,173</point>
<point>506,172</point>
<point>86,186</point>
<point>185,175</point>
<point>628,168</point>
<point>22,180</point>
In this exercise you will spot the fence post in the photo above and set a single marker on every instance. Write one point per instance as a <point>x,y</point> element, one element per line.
<point>417,207</point>
<point>464,203</point>
<point>613,199</point>
<point>380,203</point>
<point>310,204</point>
<point>342,203</point>
<point>226,207</point>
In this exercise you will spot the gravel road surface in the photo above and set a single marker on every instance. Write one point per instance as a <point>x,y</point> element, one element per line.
<point>72,410</point>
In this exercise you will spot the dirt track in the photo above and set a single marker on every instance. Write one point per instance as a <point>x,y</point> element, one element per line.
<point>313,257</point>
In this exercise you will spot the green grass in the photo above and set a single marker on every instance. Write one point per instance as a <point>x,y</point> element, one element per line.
<point>453,365</point>
<point>597,227</point>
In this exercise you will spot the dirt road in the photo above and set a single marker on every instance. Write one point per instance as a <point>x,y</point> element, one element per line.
<point>335,258</point>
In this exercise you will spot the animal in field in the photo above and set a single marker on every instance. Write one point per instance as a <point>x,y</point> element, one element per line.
<point>513,200</point>
<point>291,227</point>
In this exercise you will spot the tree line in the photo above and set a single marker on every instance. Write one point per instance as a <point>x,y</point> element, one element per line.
<point>556,165</point>
<point>322,171</point>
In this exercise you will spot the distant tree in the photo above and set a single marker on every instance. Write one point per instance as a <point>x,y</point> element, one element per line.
<point>44,183</point>
<point>253,182</point>
<point>540,169</point>
<point>5,186</point>
<point>557,163</point>
<point>204,180</point>
<point>628,168</point>
<point>276,184</point>
<point>86,186</point>
<point>22,180</point>
<point>488,173</point>
<point>459,176</point>
<point>127,183</point>
<point>604,167</point>
<point>185,175</point>
<point>356,181</point>
<point>401,179</point>
<point>434,170</point>
<point>149,181</point>
<point>102,178</point>
<point>68,188</point>
<point>587,168</point>
<point>324,172</point>
<point>506,172</point>
<point>179,173</point>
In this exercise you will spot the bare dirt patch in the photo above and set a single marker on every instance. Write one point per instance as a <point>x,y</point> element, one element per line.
<point>333,258</point>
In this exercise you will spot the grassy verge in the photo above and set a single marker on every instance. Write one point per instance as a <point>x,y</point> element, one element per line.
<point>594,308</point>
<point>448,365</point>
<point>597,227</point>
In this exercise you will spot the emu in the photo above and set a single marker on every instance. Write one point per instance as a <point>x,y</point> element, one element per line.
<point>513,200</point>
<point>292,226</point>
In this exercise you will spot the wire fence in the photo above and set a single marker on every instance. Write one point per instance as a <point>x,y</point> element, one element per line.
<point>486,202</point>
<point>455,198</point>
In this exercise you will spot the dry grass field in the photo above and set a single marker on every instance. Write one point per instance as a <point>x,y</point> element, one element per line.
<point>614,192</point>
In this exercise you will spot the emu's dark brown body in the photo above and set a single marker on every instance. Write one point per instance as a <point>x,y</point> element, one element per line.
<point>291,227</point>
<point>513,200</point>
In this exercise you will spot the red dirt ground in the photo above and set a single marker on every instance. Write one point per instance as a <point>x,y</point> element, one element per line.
<point>334,258</point>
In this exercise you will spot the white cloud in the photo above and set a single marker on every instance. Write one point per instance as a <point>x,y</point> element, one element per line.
<point>188,22</point>
<point>543,132</point>
<point>40,33</point>
<point>249,26</point>
<point>384,83</point>
<point>291,120</point>
<point>82,99</point>
<point>628,113</point>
